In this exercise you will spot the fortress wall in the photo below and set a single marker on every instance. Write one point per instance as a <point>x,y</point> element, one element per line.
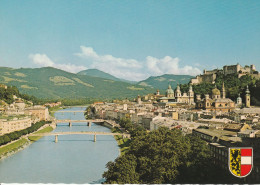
<point>231,69</point>
<point>209,78</point>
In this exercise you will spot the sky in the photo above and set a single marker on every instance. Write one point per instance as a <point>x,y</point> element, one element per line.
<point>130,39</point>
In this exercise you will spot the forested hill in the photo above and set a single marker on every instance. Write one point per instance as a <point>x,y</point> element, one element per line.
<point>162,82</point>
<point>53,83</point>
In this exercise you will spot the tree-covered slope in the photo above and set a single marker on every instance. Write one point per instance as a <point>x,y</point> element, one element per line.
<point>162,82</point>
<point>53,83</point>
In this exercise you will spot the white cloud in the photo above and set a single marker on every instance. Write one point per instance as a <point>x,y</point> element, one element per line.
<point>89,53</point>
<point>41,59</point>
<point>132,69</point>
<point>169,65</point>
<point>44,61</point>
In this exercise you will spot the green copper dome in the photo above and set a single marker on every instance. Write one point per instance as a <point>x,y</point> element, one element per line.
<point>215,91</point>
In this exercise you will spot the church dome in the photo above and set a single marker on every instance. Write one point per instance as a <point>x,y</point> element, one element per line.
<point>239,99</point>
<point>169,90</point>
<point>215,91</point>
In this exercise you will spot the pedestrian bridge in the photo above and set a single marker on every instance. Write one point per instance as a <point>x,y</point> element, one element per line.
<point>78,121</point>
<point>62,111</point>
<point>56,134</point>
<point>88,121</point>
<point>83,106</point>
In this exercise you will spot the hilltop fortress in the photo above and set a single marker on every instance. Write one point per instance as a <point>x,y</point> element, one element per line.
<point>210,76</point>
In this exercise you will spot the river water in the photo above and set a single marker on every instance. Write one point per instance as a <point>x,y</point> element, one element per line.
<point>74,159</point>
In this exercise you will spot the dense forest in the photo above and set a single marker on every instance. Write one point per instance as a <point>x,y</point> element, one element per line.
<point>233,86</point>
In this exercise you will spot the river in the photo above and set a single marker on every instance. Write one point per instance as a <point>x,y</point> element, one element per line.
<point>74,159</point>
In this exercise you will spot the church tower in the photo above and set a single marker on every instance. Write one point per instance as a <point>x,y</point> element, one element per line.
<point>247,96</point>
<point>223,91</point>
<point>191,95</point>
<point>178,93</point>
<point>239,100</point>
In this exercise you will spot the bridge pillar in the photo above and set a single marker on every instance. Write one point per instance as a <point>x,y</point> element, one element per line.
<point>56,138</point>
<point>89,124</point>
<point>70,124</point>
<point>95,138</point>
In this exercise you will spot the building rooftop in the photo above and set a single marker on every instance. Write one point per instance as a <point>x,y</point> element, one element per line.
<point>255,110</point>
<point>221,134</point>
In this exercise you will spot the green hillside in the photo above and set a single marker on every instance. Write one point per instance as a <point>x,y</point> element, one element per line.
<point>101,74</point>
<point>162,82</point>
<point>53,83</point>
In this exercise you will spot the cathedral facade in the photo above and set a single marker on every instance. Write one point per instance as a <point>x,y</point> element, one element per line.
<point>217,102</point>
<point>178,96</point>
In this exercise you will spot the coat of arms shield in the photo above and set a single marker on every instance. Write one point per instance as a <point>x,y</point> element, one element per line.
<point>240,161</point>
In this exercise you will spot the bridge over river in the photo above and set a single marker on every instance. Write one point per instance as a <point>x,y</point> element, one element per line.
<point>56,134</point>
<point>109,123</point>
<point>65,111</point>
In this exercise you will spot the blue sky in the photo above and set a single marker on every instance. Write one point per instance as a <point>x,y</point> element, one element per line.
<point>130,39</point>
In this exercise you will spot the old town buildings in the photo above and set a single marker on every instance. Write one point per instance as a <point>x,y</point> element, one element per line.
<point>20,115</point>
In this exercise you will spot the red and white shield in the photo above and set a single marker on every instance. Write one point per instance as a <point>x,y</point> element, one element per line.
<point>240,161</point>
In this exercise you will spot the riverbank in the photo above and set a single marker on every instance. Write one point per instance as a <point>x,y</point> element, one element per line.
<point>24,141</point>
<point>52,110</point>
<point>13,147</point>
<point>123,143</point>
<point>45,130</point>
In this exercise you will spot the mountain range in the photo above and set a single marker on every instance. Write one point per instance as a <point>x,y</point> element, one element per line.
<point>52,83</point>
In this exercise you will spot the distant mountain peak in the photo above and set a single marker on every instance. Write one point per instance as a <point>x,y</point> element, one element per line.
<point>102,74</point>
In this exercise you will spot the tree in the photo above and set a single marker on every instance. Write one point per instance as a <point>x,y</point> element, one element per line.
<point>122,171</point>
<point>161,156</point>
<point>6,139</point>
